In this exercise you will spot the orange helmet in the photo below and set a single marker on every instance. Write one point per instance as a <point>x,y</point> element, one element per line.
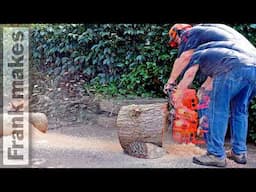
<point>174,31</point>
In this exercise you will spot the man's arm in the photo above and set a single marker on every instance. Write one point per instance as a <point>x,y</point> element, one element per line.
<point>184,84</point>
<point>188,77</point>
<point>180,64</point>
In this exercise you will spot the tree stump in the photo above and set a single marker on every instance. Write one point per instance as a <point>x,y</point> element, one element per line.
<point>141,129</point>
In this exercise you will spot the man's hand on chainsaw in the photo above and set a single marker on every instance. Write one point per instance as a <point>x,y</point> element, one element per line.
<point>169,88</point>
<point>201,93</point>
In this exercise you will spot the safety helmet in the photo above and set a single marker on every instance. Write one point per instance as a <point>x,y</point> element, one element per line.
<point>176,30</point>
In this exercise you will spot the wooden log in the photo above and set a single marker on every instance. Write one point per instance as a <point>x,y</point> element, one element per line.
<point>36,120</point>
<point>114,105</point>
<point>141,129</point>
<point>39,121</point>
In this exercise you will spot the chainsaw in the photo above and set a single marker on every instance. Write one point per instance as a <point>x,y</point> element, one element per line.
<point>184,121</point>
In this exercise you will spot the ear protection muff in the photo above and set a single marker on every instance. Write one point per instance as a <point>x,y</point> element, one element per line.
<point>173,34</point>
<point>177,29</point>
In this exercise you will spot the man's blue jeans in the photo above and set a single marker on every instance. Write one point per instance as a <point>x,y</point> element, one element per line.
<point>230,97</point>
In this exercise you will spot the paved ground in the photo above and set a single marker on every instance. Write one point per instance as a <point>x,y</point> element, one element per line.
<point>96,145</point>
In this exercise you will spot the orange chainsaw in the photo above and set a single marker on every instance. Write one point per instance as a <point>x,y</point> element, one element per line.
<point>184,120</point>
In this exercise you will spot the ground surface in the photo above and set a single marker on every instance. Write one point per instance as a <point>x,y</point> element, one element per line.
<point>96,145</point>
<point>83,134</point>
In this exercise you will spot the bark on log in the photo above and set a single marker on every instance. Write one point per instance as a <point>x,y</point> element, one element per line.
<point>141,129</point>
<point>114,105</point>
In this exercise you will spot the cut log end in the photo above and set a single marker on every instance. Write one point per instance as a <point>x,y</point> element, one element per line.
<point>39,121</point>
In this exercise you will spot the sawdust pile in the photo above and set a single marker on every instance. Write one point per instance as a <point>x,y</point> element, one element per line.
<point>61,141</point>
<point>184,150</point>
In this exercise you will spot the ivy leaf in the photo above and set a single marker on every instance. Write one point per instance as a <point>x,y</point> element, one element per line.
<point>74,54</point>
<point>253,26</point>
<point>87,71</point>
<point>140,58</point>
<point>64,60</point>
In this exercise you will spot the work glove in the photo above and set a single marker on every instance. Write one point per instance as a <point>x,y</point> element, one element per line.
<point>169,88</point>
